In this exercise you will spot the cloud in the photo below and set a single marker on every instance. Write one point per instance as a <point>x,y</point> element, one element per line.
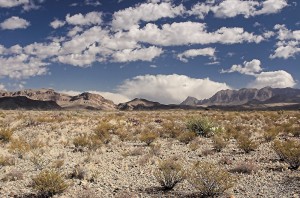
<point>249,68</point>
<point>196,52</point>
<point>14,23</point>
<point>144,54</point>
<point>22,66</point>
<point>233,8</point>
<point>2,87</point>
<point>91,18</point>
<point>57,24</point>
<point>275,79</point>
<point>92,2</point>
<point>169,88</point>
<point>125,19</point>
<point>288,44</point>
<point>115,97</point>
<point>12,3</point>
<point>185,33</point>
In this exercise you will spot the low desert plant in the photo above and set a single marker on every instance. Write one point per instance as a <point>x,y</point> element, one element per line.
<point>13,175</point>
<point>6,161</point>
<point>78,173</point>
<point>5,134</point>
<point>103,131</point>
<point>219,143</point>
<point>19,145</point>
<point>148,137</point>
<point>288,151</point>
<point>245,168</point>
<point>169,174</point>
<point>245,143</point>
<point>170,129</point>
<point>186,137</point>
<point>87,141</point>
<point>201,126</point>
<point>210,180</point>
<point>48,183</point>
<point>270,134</point>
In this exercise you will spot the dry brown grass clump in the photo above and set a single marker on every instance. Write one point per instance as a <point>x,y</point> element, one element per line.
<point>270,134</point>
<point>19,146</point>
<point>186,136</point>
<point>245,143</point>
<point>245,168</point>
<point>6,161</point>
<point>219,143</point>
<point>169,174</point>
<point>288,151</point>
<point>49,182</point>
<point>148,137</point>
<point>91,142</point>
<point>5,134</point>
<point>210,180</point>
<point>103,131</point>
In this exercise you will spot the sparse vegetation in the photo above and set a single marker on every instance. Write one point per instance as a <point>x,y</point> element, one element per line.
<point>148,137</point>
<point>210,180</point>
<point>202,126</point>
<point>288,151</point>
<point>245,143</point>
<point>49,182</point>
<point>219,143</point>
<point>169,174</point>
<point>5,134</point>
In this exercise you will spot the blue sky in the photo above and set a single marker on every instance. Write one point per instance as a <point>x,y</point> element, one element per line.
<point>162,50</point>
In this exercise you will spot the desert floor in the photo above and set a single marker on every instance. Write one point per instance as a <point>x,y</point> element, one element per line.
<point>106,154</point>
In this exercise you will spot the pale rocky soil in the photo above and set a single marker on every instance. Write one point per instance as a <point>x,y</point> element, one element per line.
<point>125,168</point>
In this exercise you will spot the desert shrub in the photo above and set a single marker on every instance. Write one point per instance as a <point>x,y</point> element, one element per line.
<point>169,174</point>
<point>13,175</point>
<point>58,163</point>
<point>148,137</point>
<point>244,167</point>
<point>245,143</point>
<point>219,143</point>
<point>295,131</point>
<point>48,183</point>
<point>19,145</point>
<point>210,179</point>
<point>155,149</point>
<point>186,137</point>
<point>36,144</point>
<point>133,152</point>
<point>195,144</point>
<point>288,151</point>
<point>6,161</point>
<point>225,160</point>
<point>87,141</point>
<point>270,134</point>
<point>5,134</point>
<point>201,126</point>
<point>103,131</point>
<point>78,173</point>
<point>170,129</point>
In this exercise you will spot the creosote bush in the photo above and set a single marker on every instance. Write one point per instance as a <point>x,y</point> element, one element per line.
<point>48,183</point>
<point>169,174</point>
<point>210,179</point>
<point>288,151</point>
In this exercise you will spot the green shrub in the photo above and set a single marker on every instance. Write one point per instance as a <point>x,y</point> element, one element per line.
<point>169,174</point>
<point>203,127</point>
<point>288,151</point>
<point>48,183</point>
<point>210,179</point>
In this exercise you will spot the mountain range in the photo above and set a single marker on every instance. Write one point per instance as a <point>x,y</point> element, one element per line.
<point>243,99</point>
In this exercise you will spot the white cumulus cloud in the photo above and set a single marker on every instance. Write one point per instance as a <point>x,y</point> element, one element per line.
<point>2,87</point>
<point>125,19</point>
<point>197,52</point>
<point>57,24</point>
<point>169,88</point>
<point>13,23</point>
<point>91,18</point>
<point>275,79</point>
<point>249,68</point>
<point>12,3</point>
<point>144,54</point>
